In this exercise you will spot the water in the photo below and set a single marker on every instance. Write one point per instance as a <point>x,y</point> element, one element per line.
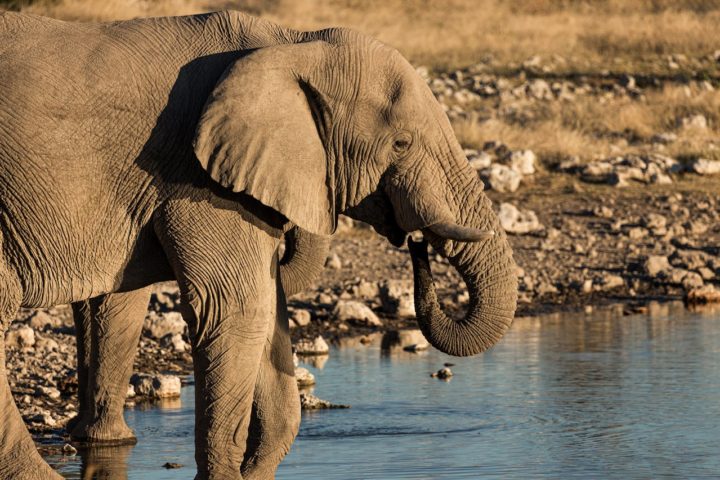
<point>559,397</point>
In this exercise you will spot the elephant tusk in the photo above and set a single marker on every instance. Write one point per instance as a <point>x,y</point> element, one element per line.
<point>452,231</point>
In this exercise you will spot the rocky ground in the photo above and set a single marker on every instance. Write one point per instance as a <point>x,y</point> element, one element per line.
<point>640,224</point>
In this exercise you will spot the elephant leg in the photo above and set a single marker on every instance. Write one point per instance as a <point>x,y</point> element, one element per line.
<point>19,459</point>
<point>276,405</point>
<point>81,317</point>
<point>116,323</point>
<point>227,273</point>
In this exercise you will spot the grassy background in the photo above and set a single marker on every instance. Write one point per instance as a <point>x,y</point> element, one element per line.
<point>670,39</point>
<point>590,35</point>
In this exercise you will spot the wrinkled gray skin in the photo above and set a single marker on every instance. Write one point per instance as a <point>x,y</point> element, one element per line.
<point>201,140</point>
<point>108,330</point>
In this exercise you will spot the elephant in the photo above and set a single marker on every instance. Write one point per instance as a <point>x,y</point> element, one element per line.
<point>108,330</point>
<point>195,142</point>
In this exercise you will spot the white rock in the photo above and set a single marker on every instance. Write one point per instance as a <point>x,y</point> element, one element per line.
<point>48,392</point>
<point>522,161</point>
<point>158,325</point>
<point>175,342</point>
<point>20,337</point>
<point>366,289</point>
<point>40,320</point>
<point>130,391</point>
<point>303,377</point>
<point>47,344</point>
<point>501,178</point>
<point>516,221</point>
<point>479,160</point>
<point>355,312</point>
<point>702,166</point>
<point>157,386</point>
<point>539,89</point>
<point>333,261</point>
<point>609,281</point>
<point>300,317</point>
<point>697,121</point>
<point>656,264</point>
<point>317,346</point>
<point>398,298</point>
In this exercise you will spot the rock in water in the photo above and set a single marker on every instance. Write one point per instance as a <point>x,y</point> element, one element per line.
<point>309,401</point>
<point>303,377</point>
<point>158,386</point>
<point>317,346</point>
<point>443,374</point>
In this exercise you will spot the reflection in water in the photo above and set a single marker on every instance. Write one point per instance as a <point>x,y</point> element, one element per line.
<point>317,361</point>
<point>105,463</point>
<point>579,396</point>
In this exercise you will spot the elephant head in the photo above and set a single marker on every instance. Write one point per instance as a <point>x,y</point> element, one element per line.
<point>340,123</point>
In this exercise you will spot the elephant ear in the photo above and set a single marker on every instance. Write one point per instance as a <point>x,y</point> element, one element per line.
<point>258,135</point>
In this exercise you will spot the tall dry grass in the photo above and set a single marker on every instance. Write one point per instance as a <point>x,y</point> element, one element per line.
<point>586,36</point>
<point>589,34</point>
<point>595,128</point>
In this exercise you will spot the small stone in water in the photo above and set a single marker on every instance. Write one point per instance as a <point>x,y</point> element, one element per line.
<point>69,449</point>
<point>443,373</point>
<point>171,465</point>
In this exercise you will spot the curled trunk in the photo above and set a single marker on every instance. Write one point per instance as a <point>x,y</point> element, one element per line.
<point>488,271</point>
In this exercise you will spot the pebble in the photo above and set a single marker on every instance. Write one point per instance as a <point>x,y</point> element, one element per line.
<point>443,374</point>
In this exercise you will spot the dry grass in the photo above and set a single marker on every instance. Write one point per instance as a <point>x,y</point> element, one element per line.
<point>588,34</point>
<point>594,127</point>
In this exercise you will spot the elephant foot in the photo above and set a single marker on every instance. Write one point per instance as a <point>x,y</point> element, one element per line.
<point>104,432</point>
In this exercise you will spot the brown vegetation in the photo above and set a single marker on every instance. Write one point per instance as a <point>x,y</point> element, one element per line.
<point>672,39</point>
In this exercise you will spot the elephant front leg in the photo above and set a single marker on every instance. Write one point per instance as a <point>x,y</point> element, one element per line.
<point>226,360</point>
<point>116,323</point>
<point>276,405</point>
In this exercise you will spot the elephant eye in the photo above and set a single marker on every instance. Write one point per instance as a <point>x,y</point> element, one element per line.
<point>401,144</point>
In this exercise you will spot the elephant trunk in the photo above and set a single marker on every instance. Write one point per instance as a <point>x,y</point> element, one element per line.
<point>488,271</point>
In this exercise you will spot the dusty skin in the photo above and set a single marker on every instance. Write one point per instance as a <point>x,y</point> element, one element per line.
<point>135,151</point>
